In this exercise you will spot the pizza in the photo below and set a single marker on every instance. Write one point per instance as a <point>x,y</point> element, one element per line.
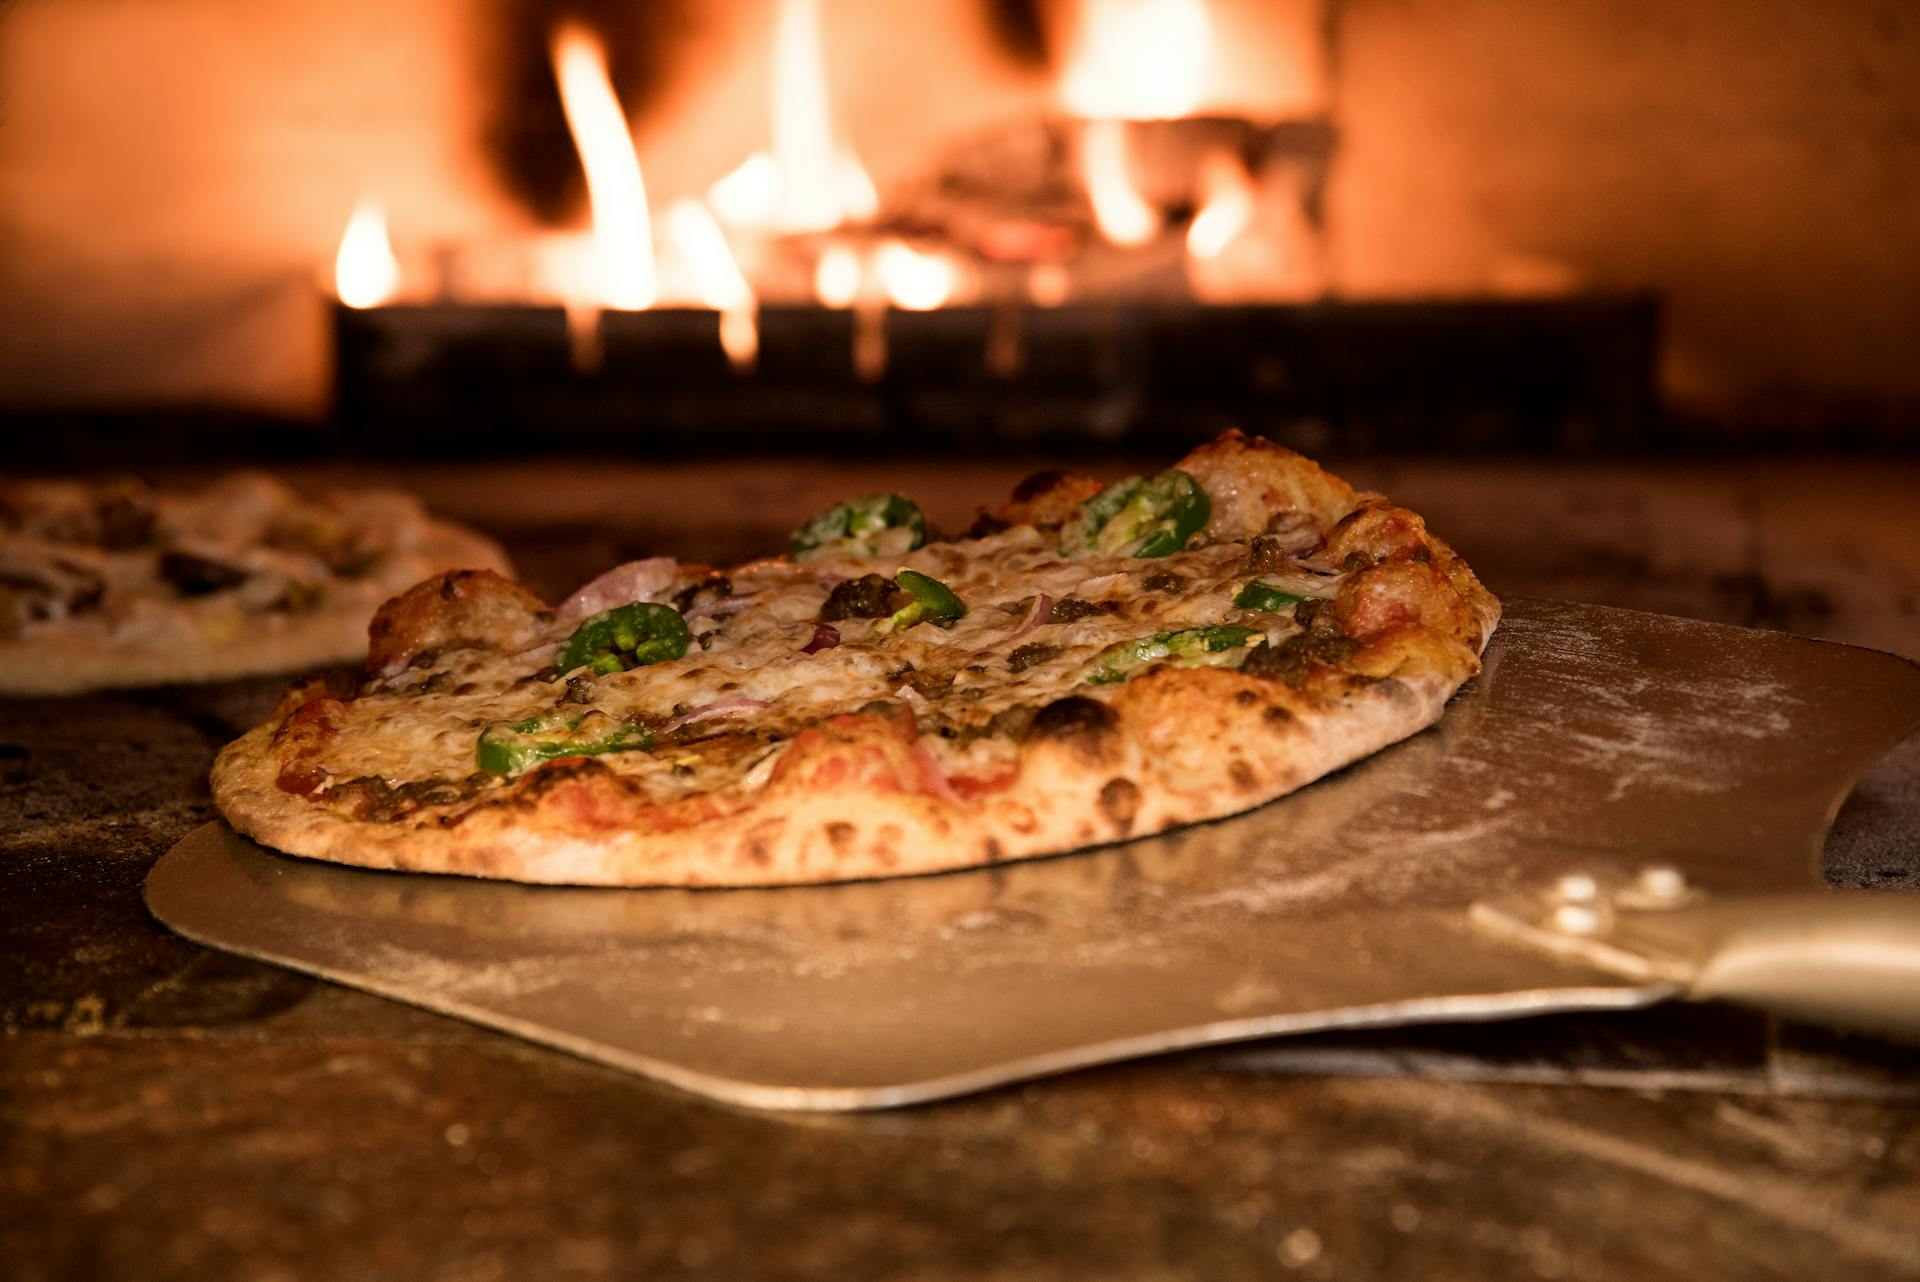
<point>116,583</point>
<point>1088,663</point>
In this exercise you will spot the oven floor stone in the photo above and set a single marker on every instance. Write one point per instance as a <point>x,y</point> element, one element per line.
<point>166,1112</point>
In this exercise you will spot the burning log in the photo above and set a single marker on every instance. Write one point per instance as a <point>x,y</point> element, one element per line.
<point>1331,375</point>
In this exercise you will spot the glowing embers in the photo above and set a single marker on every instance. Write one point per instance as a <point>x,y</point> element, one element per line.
<point>836,277</point>
<point>914,279</point>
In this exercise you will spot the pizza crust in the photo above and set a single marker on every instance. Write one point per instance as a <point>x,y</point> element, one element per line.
<point>858,794</point>
<point>1070,794</point>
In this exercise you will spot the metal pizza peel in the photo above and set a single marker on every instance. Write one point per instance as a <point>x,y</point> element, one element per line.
<point>1623,809</point>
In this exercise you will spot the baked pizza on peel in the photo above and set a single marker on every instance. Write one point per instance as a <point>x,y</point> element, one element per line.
<point>1087,664</point>
<point>117,583</point>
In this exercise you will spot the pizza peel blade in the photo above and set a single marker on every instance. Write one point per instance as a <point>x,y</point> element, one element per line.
<point>1616,797</point>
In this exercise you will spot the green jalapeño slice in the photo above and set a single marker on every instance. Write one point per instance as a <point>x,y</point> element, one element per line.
<point>933,602</point>
<point>1264,596</point>
<point>513,747</point>
<point>1140,516</point>
<point>877,525</point>
<point>1192,648</point>
<point>627,636</point>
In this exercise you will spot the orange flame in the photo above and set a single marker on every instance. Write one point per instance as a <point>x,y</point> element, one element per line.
<point>809,181</point>
<point>717,279</point>
<point>803,152</point>
<point>365,272</point>
<point>1138,59</point>
<point>1118,209</point>
<point>623,237</point>
<point>1228,208</point>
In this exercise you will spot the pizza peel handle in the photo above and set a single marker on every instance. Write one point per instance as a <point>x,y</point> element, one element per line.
<point>1850,960</point>
<point>1845,960</point>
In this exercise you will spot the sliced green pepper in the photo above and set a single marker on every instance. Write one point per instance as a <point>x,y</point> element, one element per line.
<point>1191,648</point>
<point>877,525</point>
<point>933,601</point>
<point>1140,516</point>
<point>512,747</point>
<point>627,636</point>
<point>1264,596</point>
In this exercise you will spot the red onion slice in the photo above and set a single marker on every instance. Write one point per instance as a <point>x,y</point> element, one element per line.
<point>718,708</point>
<point>634,581</point>
<point>825,637</point>
<point>1042,607</point>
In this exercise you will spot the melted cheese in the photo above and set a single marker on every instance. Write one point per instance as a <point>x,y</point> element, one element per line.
<point>960,675</point>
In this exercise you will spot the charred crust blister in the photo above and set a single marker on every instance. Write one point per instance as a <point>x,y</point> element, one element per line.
<point>1119,802</point>
<point>1084,726</point>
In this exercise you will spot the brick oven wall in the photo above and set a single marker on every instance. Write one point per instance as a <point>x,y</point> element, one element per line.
<point>1756,161</point>
<point>173,178</point>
